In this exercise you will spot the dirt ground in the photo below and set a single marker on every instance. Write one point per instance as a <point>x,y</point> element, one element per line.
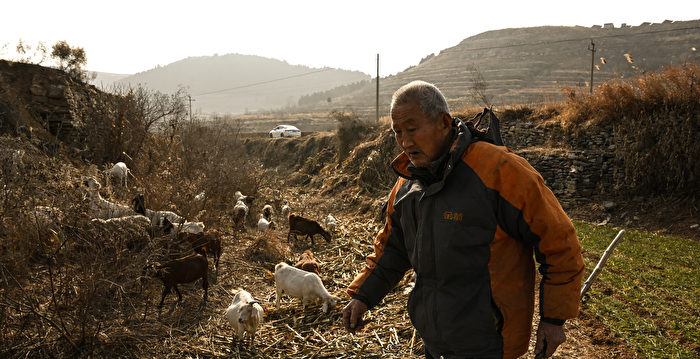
<point>587,336</point>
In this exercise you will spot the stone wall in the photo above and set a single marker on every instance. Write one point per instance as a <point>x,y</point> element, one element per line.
<point>574,168</point>
<point>53,106</point>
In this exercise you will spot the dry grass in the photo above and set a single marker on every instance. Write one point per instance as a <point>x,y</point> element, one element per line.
<point>654,118</point>
<point>80,293</point>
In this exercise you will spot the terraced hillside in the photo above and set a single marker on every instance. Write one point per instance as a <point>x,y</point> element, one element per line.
<point>531,65</point>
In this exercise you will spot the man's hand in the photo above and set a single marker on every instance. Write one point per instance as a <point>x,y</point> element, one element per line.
<point>553,335</point>
<point>352,315</point>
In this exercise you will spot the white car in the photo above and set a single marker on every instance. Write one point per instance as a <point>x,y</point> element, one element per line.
<point>285,131</point>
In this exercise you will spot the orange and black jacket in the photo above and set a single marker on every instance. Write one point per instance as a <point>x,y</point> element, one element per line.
<point>469,235</point>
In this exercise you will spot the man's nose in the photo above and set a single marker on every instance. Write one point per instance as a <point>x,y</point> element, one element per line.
<point>405,141</point>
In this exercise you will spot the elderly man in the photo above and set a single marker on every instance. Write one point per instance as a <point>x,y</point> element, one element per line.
<point>467,216</point>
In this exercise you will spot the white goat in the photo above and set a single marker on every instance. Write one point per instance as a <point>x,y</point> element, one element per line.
<point>189,227</point>
<point>301,284</point>
<point>132,231</point>
<point>264,224</point>
<point>330,223</point>
<point>241,197</point>
<point>91,183</point>
<point>105,209</point>
<point>268,212</point>
<point>157,217</point>
<point>286,210</point>
<point>245,315</point>
<point>121,171</point>
<point>101,207</point>
<point>136,220</point>
<point>240,213</point>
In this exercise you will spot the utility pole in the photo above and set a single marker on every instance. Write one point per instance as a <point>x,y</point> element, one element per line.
<point>377,88</point>
<point>190,97</point>
<point>591,48</point>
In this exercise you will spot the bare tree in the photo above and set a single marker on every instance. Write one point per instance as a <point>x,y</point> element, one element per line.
<point>479,87</point>
<point>29,54</point>
<point>153,107</point>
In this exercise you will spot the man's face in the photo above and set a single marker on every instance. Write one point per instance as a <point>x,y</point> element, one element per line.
<point>421,138</point>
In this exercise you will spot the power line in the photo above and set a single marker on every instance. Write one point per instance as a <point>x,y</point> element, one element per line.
<point>264,82</point>
<point>453,49</point>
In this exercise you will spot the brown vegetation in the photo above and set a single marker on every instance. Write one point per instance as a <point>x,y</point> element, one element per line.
<point>655,118</point>
<point>80,292</point>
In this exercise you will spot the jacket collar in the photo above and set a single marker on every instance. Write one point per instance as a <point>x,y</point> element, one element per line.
<point>442,166</point>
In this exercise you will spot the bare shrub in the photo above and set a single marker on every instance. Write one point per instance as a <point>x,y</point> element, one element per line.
<point>74,289</point>
<point>351,132</point>
<point>29,54</point>
<point>60,277</point>
<point>268,248</point>
<point>202,157</point>
<point>372,160</point>
<point>654,118</point>
<point>479,87</point>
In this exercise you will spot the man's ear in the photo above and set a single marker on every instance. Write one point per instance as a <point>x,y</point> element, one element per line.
<point>445,120</point>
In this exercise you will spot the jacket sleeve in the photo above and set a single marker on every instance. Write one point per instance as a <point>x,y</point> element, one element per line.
<point>387,265</point>
<point>543,224</point>
<point>529,211</point>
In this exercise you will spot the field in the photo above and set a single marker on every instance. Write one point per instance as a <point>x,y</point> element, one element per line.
<point>649,293</point>
<point>643,305</point>
<point>74,287</point>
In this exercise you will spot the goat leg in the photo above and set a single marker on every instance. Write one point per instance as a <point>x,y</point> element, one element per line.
<point>205,285</point>
<point>179,296</point>
<point>277,297</point>
<point>166,290</point>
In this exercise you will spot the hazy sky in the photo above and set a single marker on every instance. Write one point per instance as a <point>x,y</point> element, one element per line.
<point>131,36</point>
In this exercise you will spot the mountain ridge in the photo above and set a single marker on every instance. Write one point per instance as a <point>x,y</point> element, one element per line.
<point>237,83</point>
<point>512,66</point>
<point>532,65</point>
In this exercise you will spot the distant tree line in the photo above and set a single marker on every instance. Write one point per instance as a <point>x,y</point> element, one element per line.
<point>329,95</point>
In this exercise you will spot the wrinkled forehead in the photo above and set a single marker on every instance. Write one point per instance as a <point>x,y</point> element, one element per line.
<point>406,114</point>
<point>406,103</point>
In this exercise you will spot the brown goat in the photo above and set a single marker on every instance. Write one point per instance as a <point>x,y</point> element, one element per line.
<point>308,263</point>
<point>304,226</point>
<point>181,270</point>
<point>210,239</point>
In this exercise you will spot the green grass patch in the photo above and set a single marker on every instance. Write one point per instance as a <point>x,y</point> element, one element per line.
<point>649,290</point>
